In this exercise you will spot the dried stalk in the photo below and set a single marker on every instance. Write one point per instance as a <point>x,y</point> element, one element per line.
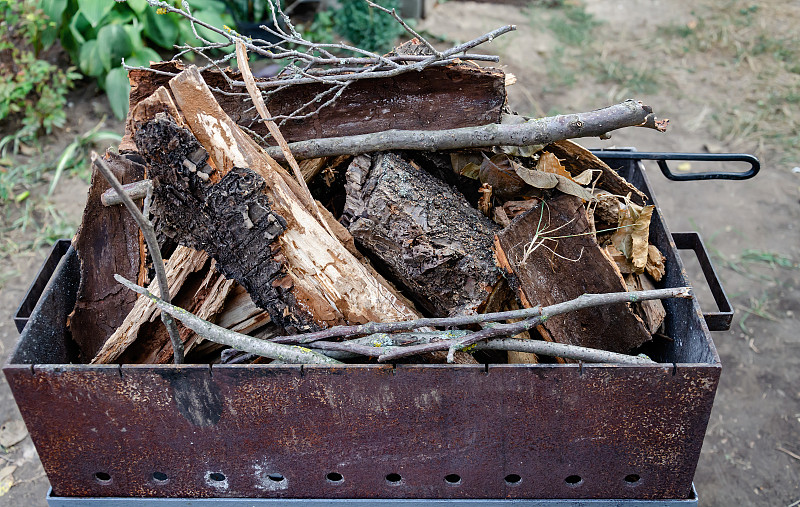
<point>214,333</point>
<point>541,131</point>
<point>155,253</point>
<point>584,301</point>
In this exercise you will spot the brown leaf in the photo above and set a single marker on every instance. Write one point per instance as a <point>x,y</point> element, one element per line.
<point>631,237</point>
<point>655,263</point>
<point>639,234</point>
<point>466,164</point>
<point>485,200</point>
<point>536,178</point>
<point>549,163</point>
<point>583,178</point>
<point>568,186</point>
<point>624,265</point>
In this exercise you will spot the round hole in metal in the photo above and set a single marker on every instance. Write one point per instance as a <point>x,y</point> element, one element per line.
<point>334,477</point>
<point>160,477</point>
<point>276,477</point>
<point>632,479</point>
<point>574,480</point>
<point>217,476</point>
<point>452,479</point>
<point>394,479</point>
<point>102,477</point>
<point>513,479</point>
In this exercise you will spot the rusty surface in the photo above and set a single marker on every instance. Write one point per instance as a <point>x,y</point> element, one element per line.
<point>366,422</point>
<point>566,431</point>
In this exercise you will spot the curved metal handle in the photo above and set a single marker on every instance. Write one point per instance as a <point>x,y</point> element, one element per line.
<point>662,159</point>
<point>716,321</point>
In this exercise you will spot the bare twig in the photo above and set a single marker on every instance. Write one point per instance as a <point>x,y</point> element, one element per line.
<point>584,301</point>
<point>539,131</point>
<point>214,333</point>
<point>155,253</point>
<point>135,190</point>
<point>261,107</point>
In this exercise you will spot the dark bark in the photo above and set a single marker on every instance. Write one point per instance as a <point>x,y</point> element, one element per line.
<point>415,100</point>
<point>544,278</point>
<point>107,242</point>
<point>232,220</point>
<point>424,231</point>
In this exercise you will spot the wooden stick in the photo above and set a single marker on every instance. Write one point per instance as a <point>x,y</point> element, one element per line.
<point>539,131</point>
<point>584,301</point>
<point>155,252</point>
<point>261,107</point>
<point>214,333</point>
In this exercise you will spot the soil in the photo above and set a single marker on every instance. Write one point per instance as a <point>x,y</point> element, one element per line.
<point>751,454</point>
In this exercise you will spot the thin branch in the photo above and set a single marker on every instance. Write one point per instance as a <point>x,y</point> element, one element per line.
<point>567,351</point>
<point>539,131</point>
<point>155,253</point>
<point>217,334</point>
<point>261,107</point>
<point>462,320</point>
<point>584,301</point>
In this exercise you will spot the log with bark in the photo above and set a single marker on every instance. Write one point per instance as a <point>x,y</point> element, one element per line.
<point>550,255</point>
<point>431,240</point>
<point>252,221</point>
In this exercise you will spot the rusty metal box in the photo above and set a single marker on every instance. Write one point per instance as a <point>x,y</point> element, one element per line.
<point>369,431</point>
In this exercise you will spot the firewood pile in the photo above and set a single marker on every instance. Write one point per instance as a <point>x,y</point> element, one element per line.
<point>424,222</point>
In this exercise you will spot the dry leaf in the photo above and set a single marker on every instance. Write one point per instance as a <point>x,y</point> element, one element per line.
<point>568,186</point>
<point>549,163</point>
<point>522,151</point>
<point>6,479</point>
<point>655,263</point>
<point>536,178</point>
<point>583,178</point>
<point>632,236</point>
<point>485,200</point>
<point>466,164</point>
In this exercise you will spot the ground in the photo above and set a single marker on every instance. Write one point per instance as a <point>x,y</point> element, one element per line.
<point>726,73</point>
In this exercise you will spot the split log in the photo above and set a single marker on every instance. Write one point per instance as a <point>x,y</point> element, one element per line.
<point>549,255</point>
<point>424,231</point>
<point>182,263</point>
<point>107,242</point>
<point>438,95</point>
<point>307,279</point>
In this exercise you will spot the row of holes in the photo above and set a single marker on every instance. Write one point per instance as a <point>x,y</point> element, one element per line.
<point>393,479</point>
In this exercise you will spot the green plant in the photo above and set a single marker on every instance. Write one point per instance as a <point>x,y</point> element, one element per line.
<point>99,34</point>
<point>32,90</point>
<point>367,27</point>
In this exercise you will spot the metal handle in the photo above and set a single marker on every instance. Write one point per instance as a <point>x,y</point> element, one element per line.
<point>662,159</point>
<point>716,321</point>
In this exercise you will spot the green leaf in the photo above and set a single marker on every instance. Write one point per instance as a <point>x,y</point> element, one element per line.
<point>54,10</point>
<point>161,28</point>
<point>114,44</point>
<point>143,57</point>
<point>118,89</point>
<point>134,30</point>
<point>138,6</point>
<point>90,59</point>
<point>94,10</point>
